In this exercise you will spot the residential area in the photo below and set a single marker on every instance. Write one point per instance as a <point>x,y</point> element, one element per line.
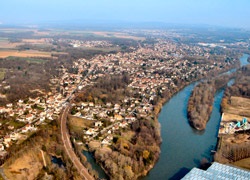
<point>153,70</point>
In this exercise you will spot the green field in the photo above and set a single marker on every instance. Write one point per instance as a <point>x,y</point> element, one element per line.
<point>2,73</point>
<point>30,60</point>
<point>106,49</point>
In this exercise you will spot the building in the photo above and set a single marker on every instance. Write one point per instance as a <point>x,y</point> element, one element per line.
<point>218,171</point>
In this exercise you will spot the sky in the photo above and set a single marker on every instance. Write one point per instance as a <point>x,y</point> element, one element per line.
<point>228,13</point>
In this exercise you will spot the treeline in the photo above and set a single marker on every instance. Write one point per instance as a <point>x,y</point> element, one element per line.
<point>130,159</point>
<point>22,76</point>
<point>200,104</point>
<point>201,101</point>
<point>107,89</point>
<point>241,87</point>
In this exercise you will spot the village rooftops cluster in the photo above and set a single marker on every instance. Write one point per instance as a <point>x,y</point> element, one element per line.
<point>152,68</point>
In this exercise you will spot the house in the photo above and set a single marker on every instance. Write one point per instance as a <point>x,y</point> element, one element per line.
<point>132,118</point>
<point>116,107</point>
<point>91,104</point>
<point>9,105</point>
<point>115,127</point>
<point>20,101</point>
<point>2,110</point>
<point>105,142</point>
<point>123,124</point>
<point>42,118</point>
<point>27,128</point>
<point>108,104</point>
<point>49,115</point>
<point>98,124</point>
<point>7,140</point>
<point>29,117</point>
<point>118,117</point>
<point>11,127</point>
<point>102,114</point>
<point>84,104</point>
<point>90,131</point>
<point>20,111</point>
<point>1,147</point>
<point>11,113</point>
<point>14,136</point>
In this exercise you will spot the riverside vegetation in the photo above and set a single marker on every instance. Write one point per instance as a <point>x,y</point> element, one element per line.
<point>135,149</point>
<point>201,101</point>
<point>234,148</point>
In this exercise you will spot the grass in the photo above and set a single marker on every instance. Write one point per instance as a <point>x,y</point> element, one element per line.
<point>31,160</point>
<point>244,163</point>
<point>128,135</point>
<point>2,73</point>
<point>105,49</point>
<point>29,53</point>
<point>16,124</point>
<point>237,109</point>
<point>77,124</point>
<point>28,59</point>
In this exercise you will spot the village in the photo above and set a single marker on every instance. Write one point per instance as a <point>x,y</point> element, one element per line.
<point>153,69</point>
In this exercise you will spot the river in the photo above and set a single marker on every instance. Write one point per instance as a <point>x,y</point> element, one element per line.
<point>182,147</point>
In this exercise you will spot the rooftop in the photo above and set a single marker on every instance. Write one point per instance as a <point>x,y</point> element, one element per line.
<point>218,171</point>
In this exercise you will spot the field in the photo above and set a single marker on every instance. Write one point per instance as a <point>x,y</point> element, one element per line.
<point>2,73</point>
<point>77,124</point>
<point>28,59</point>
<point>5,44</point>
<point>117,35</point>
<point>27,166</point>
<point>29,53</point>
<point>237,109</point>
<point>106,49</point>
<point>244,163</point>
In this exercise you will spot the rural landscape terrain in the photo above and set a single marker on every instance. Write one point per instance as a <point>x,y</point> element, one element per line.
<point>68,94</point>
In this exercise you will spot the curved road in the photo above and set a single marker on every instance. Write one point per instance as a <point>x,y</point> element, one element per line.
<point>68,147</point>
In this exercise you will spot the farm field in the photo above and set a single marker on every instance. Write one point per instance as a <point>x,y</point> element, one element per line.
<point>2,73</point>
<point>237,109</point>
<point>27,166</point>
<point>28,53</point>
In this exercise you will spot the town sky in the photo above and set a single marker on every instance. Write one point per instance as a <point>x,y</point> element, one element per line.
<point>212,12</point>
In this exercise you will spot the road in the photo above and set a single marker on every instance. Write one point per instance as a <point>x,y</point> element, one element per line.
<point>68,147</point>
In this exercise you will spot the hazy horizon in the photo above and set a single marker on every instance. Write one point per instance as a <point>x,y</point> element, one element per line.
<point>224,13</point>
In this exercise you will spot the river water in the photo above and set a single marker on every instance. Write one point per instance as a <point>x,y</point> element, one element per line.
<point>183,147</point>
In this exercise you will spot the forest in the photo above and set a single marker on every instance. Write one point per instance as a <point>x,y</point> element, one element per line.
<point>22,77</point>
<point>201,101</point>
<point>106,89</point>
<point>240,88</point>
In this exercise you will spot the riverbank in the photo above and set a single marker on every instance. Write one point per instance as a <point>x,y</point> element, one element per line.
<point>142,144</point>
<point>234,131</point>
<point>179,150</point>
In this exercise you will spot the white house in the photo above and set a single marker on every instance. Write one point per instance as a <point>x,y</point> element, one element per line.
<point>1,147</point>
<point>98,124</point>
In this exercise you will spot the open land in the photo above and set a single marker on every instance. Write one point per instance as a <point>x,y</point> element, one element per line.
<point>237,109</point>
<point>26,166</point>
<point>28,53</point>
<point>244,163</point>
